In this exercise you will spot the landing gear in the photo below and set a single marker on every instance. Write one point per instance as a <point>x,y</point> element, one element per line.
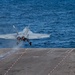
<point>30,43</point>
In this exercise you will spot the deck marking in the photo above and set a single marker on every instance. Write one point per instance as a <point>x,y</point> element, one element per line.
<point>14,63</point>
<point>61,61</point>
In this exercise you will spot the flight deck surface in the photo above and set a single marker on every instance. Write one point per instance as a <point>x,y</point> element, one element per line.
<point>38,61</point>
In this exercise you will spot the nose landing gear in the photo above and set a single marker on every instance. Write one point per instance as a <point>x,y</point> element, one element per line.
<point>30,43</point>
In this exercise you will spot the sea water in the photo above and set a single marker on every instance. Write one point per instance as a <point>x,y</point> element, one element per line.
<point>55,17</point>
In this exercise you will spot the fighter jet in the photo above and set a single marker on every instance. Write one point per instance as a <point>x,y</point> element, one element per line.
<point>24,35</point>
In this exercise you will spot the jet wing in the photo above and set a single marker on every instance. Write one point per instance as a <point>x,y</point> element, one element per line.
<point>38,36</point>
<point>8,36</point>
<point>31,35</point>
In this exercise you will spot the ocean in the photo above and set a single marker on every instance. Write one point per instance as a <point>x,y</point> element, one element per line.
<point>54,17</point>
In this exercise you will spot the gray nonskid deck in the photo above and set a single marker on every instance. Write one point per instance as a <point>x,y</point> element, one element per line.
<point>40,62</point>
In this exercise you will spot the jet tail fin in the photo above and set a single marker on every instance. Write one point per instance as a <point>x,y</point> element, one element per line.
<point>25,31</point>
<point>15,29</point>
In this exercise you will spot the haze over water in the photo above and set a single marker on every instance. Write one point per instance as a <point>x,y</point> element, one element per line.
<point>55,17</point>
